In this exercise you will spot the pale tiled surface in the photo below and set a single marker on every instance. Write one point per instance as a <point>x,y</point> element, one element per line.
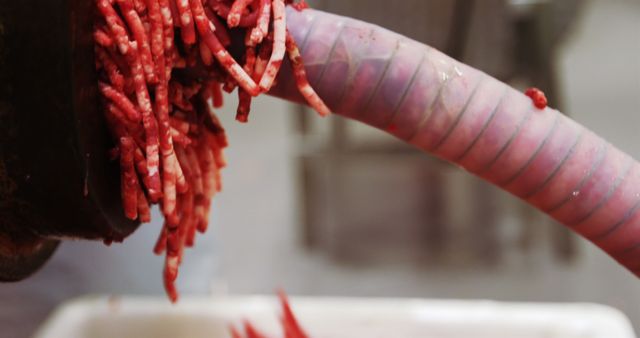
<point>253,245</point>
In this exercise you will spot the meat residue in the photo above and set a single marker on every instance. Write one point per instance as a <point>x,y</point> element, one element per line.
<point>538,97</point>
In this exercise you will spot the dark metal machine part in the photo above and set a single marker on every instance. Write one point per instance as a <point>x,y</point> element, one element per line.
<point>55,177</point>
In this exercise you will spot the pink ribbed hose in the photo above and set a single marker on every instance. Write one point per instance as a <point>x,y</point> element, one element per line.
<point>462,115</point>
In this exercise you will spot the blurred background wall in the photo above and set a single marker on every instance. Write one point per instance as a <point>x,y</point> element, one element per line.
<point>327,207</point>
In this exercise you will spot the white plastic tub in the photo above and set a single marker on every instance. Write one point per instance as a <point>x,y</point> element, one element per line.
<point>102,317</point>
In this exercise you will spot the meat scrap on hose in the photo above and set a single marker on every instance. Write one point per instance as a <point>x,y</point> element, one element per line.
<point>166,134</point>
<point>538,97</point>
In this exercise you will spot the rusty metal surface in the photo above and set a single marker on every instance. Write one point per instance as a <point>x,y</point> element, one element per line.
<point>56,181</point>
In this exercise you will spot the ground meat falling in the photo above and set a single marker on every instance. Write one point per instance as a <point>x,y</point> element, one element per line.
<point>163,65</point>
<point>290,325</point>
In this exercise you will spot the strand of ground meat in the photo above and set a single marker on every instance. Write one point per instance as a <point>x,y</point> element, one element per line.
<point>163,65</point>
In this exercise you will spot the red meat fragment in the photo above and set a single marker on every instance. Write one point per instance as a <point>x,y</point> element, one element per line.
<point>538,97</point>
